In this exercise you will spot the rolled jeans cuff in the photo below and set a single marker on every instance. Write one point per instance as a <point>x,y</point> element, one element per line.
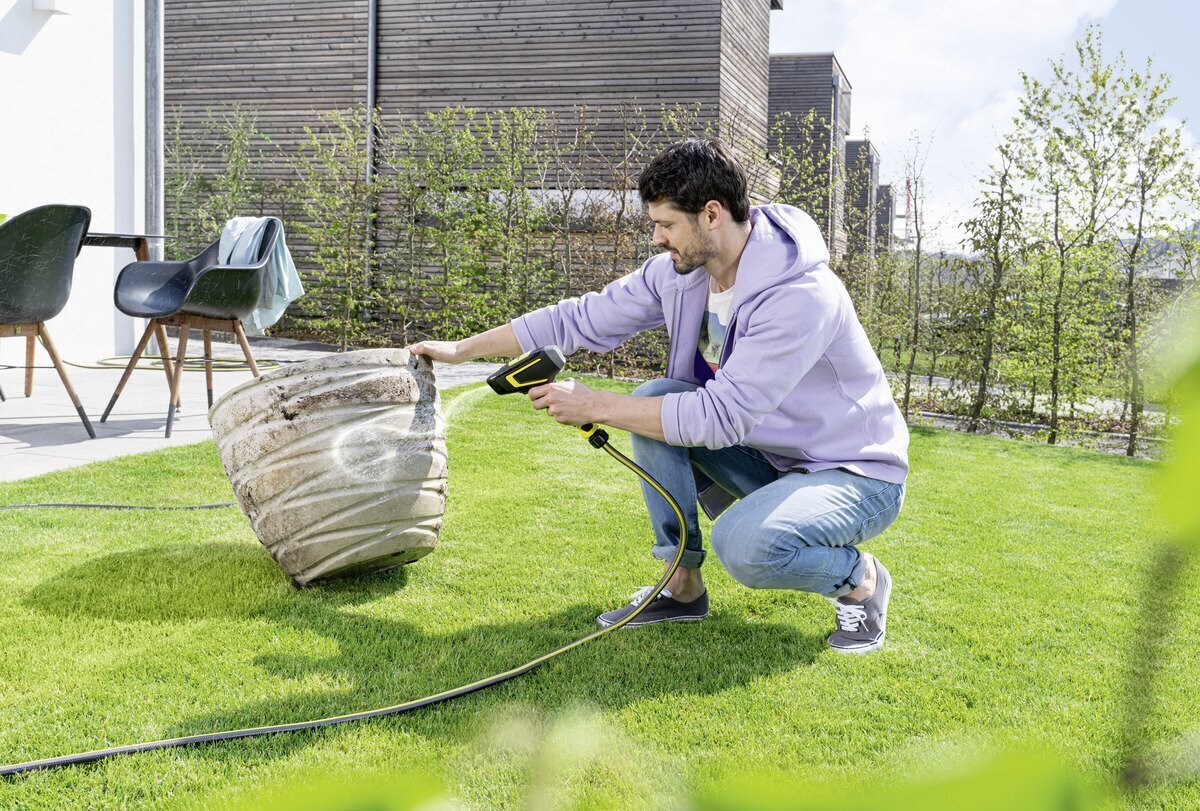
<point>858,571</point>
<point>692,558</point>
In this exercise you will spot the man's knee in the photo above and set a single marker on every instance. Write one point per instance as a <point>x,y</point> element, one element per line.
<point>662,385</point>
<point>747,560</point>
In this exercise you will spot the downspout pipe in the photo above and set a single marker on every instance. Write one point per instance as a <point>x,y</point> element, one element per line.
<point>153,124</point>
<point>834,174</point>
<point>372,62</point>
<point>369,172</point>
<point>152,131</point>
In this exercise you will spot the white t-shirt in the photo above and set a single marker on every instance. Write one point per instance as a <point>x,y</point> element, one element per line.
<point>716,321</point>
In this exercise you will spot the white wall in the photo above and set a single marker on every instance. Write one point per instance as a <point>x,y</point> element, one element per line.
<point>71,113</point>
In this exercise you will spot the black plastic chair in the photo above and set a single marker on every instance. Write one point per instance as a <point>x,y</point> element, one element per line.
<point>37,261</point>
<point>198,293</point>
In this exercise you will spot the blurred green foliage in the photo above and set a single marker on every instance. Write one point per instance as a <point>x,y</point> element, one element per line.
<point>1027,781</point>
<point>1182,472</point>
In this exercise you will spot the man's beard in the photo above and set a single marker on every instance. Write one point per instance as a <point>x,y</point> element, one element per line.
<point>693,261</point>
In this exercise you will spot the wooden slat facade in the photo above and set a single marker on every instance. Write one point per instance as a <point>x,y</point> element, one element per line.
<point>556,55</point>
<point>292,59</point>
<point>745,66</point>
<point>287,58</point>
<point>800,83</point>
<point>862,184</point>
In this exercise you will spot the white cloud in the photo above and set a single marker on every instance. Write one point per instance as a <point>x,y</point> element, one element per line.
<point>948,71</point>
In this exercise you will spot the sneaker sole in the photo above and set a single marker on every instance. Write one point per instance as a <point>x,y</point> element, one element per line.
<point>638,624</point>
<point>864,649</point>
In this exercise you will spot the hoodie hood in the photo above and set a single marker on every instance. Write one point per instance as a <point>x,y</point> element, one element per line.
<point>801,229</point>
<point>784,245</point>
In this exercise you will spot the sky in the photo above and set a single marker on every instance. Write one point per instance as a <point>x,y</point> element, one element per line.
<point>947,72</point>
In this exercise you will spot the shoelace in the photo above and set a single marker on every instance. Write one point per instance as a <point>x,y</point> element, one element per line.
<point>849,617</point>
<point>638,596</point>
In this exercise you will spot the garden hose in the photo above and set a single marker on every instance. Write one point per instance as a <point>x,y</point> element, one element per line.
<point>191,363</point>
<point>68,506</point>
<point>597,438</point>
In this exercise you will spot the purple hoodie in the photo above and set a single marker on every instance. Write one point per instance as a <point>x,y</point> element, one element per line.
<point>798,380</point>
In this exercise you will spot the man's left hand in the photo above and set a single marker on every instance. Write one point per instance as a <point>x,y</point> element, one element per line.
<point>567,401</point>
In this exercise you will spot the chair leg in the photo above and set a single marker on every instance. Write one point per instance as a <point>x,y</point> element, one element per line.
<point>29,365</point>
<point>208,364</point>
<point>177,378</point>
<point>46,342</point>
<point>241,336</point>
<point>137,354</point>
<point>164,351</point>
<point>2,397</point>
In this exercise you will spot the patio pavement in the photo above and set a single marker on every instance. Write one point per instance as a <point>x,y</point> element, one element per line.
<point>43,433</point>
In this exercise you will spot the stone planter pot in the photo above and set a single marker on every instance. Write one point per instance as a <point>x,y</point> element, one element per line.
<point>338,462</point>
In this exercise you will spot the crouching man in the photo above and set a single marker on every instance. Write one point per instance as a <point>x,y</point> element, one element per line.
<point>774,413</point>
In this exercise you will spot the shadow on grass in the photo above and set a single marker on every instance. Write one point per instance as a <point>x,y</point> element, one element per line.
<point>387,661</point>
<point>197,581</point>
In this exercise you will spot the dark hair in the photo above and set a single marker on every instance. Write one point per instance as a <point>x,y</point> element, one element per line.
<point>692,172</point>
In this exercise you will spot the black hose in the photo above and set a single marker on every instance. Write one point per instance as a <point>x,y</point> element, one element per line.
<point>118,506</point>
<point>599,439</point>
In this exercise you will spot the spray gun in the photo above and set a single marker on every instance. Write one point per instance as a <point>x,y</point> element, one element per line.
<point>534,368</point>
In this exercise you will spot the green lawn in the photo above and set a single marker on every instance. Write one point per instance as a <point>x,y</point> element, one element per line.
<point>1018,570</point>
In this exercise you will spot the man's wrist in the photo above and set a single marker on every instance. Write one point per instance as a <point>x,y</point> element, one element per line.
<point>602,406</point>
<point>462,350</point>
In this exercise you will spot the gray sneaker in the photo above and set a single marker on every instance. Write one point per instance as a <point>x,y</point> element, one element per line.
<point>862,624</point>
<point>663,608</point>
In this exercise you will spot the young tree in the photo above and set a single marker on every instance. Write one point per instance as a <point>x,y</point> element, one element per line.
<point>1075,143</point>
<point>338,205</point>
<point>995,233</point>
<point>1161,177</point>
<point>914,170</point>
<point>800,146</point>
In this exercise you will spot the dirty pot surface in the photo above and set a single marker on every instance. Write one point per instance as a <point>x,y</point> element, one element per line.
<point>339,462</point>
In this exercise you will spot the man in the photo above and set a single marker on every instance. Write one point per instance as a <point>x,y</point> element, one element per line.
<point>773,396</point>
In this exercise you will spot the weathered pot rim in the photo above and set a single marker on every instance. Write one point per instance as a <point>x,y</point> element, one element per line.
<point>308,366</point>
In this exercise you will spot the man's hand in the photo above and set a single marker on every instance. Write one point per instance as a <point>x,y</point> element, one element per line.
<point>567,401</point>
<point>445,351</point>
<point>498,342</point>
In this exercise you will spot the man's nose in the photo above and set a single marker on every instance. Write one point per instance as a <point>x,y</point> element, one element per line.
<point>657,238</point>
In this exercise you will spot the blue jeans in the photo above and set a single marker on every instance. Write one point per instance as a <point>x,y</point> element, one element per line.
<point>788,530</point>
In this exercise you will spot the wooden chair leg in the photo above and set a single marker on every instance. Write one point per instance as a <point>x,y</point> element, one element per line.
<point>137,354</point>
<point>208,364</point>
<point>29,365</point>
<point>164,351</point>
<point>46,342</point>
<point>178,376</point>
<point>241,336</point>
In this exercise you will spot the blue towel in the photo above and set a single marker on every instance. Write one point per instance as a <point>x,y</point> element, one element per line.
<point>240,241</point>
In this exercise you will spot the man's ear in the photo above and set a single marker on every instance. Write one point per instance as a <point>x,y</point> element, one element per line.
<point>713,215</point>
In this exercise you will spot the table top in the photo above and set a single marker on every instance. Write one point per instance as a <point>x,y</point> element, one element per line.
<point>104,239</point>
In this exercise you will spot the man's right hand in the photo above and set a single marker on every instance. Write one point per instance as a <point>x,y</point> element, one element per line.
<point>498,342</point>
<point>445,351</point>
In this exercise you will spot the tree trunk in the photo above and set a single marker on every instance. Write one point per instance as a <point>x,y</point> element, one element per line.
<point>916,327</point>
<point>982,384</point>
<point>1056,350</point>
<point>989,332</point>
<point>1131,328</point>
